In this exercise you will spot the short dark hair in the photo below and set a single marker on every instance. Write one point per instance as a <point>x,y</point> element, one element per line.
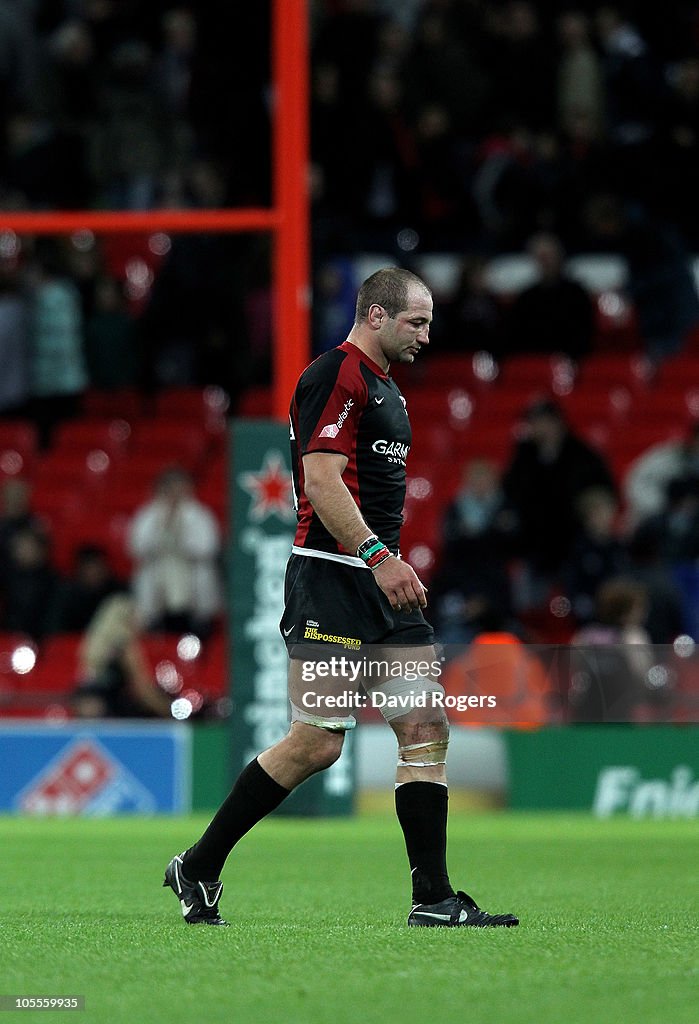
<point>388,288</point>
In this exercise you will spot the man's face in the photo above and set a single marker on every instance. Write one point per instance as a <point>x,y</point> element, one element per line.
<point>401,337</point>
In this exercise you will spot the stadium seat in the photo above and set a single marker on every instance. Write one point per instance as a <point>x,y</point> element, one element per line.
<point>554,374</point>
<point>85,470</point>
<point>506,405</point>
<point>606,405</point>
<point>511,273</point>
<point>681,371</point>
<point>474,370</point>
<point>192,403</point>
<point>127,495</point>
<point>56,669</point>
<point>624,448</point>
<point>616,324</point>
<point>598,272</point>
<point>614,369</point>
<point>108,434</point>
<point>44,706</point>
<point>441,271</point>
<point>667,406</point>
<point>213,672</point>
<point>494,441</point>
<point>17,656</point>
<point>255,402</point>
<point>18,443</point>
<point>183,441</point>
<point>126,403</point>
<point>181,664</point>
<point>106,530</point>
<point>427,404</point>
<point>143,468</point>
<point>57,502</point>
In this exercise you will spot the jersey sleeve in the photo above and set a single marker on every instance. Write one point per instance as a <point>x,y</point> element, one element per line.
<point>330,400</point>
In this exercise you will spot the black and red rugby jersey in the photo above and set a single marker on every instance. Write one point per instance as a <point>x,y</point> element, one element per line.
<point>345,403</point>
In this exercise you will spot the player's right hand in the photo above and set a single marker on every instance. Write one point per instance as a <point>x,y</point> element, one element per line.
<point>401,585</point>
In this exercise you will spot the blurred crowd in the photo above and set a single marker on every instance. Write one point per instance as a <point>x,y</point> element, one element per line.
<point>173,540</point>
<point>552,536</point>
<point>471,119</point>
<point>140,314</point>
<point>108,103</point>
<point>174,543</point>
<point>550,528</point>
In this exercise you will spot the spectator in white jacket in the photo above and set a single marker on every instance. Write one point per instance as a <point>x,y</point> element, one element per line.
<point>648,476</point>
<point>175,542</point>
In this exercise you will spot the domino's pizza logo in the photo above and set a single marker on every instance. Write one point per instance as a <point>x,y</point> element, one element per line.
<point>85,778</point>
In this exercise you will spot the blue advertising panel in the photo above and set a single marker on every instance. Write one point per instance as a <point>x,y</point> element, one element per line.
<point>95,769</point>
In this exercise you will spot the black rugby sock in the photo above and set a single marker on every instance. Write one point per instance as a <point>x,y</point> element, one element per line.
<point>253,796</point>
<point>422,812</point>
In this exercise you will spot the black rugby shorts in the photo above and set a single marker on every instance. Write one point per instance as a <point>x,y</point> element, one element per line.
<point>327,602</point>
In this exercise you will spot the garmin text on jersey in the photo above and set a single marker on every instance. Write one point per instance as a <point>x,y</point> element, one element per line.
<point>395,451</point>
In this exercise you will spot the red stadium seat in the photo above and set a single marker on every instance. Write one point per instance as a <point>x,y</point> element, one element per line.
<point>18,441</point>
<point>56,669</point>
<point>507,405</point>
<point>613,369</point>
<point>57,502</point>
<point>255,402</point>
<point>105,530</point>
<point>552,373</point>
<point>213,673</point>
<point>192,403</point>
<point>18,654</point>
<point>624,448</point>
<point>84,470</point>
<point>667,406</point>
<point>494,442</point>
<point>182,664</point>
<point>111,435</point>
<point>434,370</point>
<point>586,407</point>
<point>127,404</point>
<point>427,404</point>
<point>178,440</point>
<point>43,705</point>
<point>128,495</point>
<point>681,371</point>
<point>142,468</point>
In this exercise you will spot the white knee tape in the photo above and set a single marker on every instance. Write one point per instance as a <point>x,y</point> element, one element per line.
<point>333,724</point>
<point>423,755</point>
<point>398,697</point>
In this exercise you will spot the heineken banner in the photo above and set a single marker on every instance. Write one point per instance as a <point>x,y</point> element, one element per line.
<point>637,770</point>
<point>263,524</point>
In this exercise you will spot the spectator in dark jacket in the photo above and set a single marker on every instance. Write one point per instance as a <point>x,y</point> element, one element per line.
<point>473,575</point>
<point>550,469</point>
<point>597,554</point>
<point>29,584</point>
<point>555,314</point>
<point>15,516</point>
<point>78,598</point>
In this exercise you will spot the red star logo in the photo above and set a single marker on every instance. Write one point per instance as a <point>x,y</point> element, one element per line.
<point>270,489</point>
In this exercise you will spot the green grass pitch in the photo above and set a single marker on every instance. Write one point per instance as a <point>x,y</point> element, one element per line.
<point>609,927</point>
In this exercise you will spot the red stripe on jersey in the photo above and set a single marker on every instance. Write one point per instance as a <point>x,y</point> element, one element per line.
<point>336,427</point>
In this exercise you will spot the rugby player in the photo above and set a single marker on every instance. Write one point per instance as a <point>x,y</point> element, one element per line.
<point>346,583</point>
